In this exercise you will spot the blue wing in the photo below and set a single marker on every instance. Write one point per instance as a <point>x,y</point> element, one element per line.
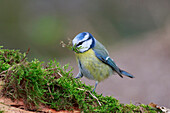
<point>102,54</point>
<point>107,60</point>
<point>126,74</point>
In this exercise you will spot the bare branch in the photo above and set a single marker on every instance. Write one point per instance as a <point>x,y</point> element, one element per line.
<point>91,95</point>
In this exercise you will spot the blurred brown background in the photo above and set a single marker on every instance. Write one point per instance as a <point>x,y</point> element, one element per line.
<point>136,33</point>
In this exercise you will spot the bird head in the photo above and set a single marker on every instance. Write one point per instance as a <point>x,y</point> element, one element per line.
<point>83,42</point>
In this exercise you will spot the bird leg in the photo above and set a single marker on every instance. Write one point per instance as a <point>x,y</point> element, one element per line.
<point>95,85</point>
<point>79,75</point>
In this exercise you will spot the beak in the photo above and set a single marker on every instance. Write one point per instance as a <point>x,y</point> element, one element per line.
<point>74,48</point>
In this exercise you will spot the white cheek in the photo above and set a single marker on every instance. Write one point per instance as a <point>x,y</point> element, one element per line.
<point>86,45</point>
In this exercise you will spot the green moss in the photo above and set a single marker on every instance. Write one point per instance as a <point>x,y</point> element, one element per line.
<point>2,111</point>
<point>53,85</point>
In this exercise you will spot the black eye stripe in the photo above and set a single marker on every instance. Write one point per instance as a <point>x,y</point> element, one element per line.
<point>83,41</point>
<point>80,43</point>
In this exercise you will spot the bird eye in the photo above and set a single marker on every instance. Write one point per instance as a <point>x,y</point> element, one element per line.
<point>79,43</point>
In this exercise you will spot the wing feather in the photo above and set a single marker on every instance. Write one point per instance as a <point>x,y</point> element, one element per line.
<point>102,54</point>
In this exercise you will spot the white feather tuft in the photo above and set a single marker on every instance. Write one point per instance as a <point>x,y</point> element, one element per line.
<point>107,58</point>
<point>85,45</point>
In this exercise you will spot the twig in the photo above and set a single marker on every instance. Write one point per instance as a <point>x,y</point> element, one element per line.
<point>25,55</point>
<point>141,109</point>
<point>9,69</point>
<point>91,95</point>
<point>50,91</point>
<point>52,68</point>
<point>3,72</point>
<point>59,74</point>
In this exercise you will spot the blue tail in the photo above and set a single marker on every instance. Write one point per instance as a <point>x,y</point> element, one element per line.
<point>126,73</point>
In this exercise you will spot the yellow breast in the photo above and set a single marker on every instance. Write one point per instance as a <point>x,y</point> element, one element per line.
<point>93,65</point>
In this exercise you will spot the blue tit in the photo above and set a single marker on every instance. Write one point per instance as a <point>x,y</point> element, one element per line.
<point>93,59</point>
